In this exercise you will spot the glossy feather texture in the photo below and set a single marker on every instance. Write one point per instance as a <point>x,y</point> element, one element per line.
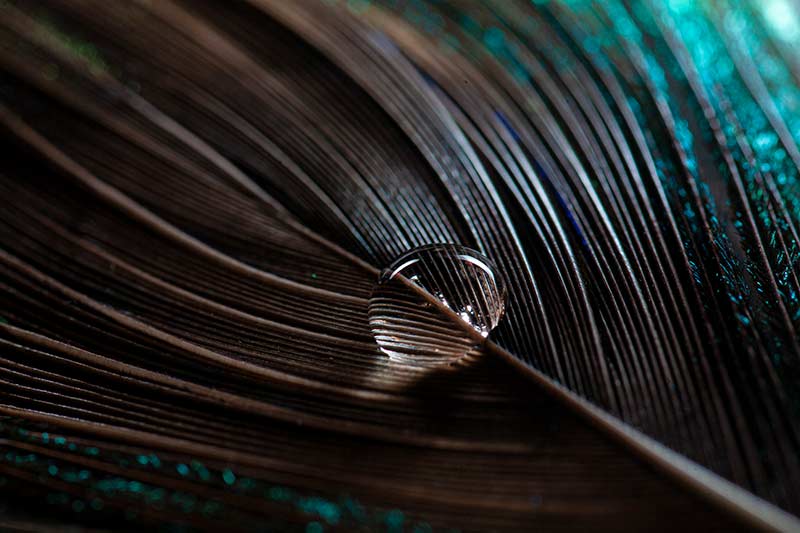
<point>198,199</point>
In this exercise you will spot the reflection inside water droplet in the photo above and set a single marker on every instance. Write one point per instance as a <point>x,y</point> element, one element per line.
<point>424,302</point>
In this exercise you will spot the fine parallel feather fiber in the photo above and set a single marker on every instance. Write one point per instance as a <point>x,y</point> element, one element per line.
<point>197,200</point>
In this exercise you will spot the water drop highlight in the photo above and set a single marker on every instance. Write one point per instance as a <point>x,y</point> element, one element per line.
<point>435,303</point>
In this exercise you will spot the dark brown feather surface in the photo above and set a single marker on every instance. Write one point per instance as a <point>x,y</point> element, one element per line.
<point>197,200</point>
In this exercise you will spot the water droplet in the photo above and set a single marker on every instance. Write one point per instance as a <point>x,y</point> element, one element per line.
<point>428,299</point>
